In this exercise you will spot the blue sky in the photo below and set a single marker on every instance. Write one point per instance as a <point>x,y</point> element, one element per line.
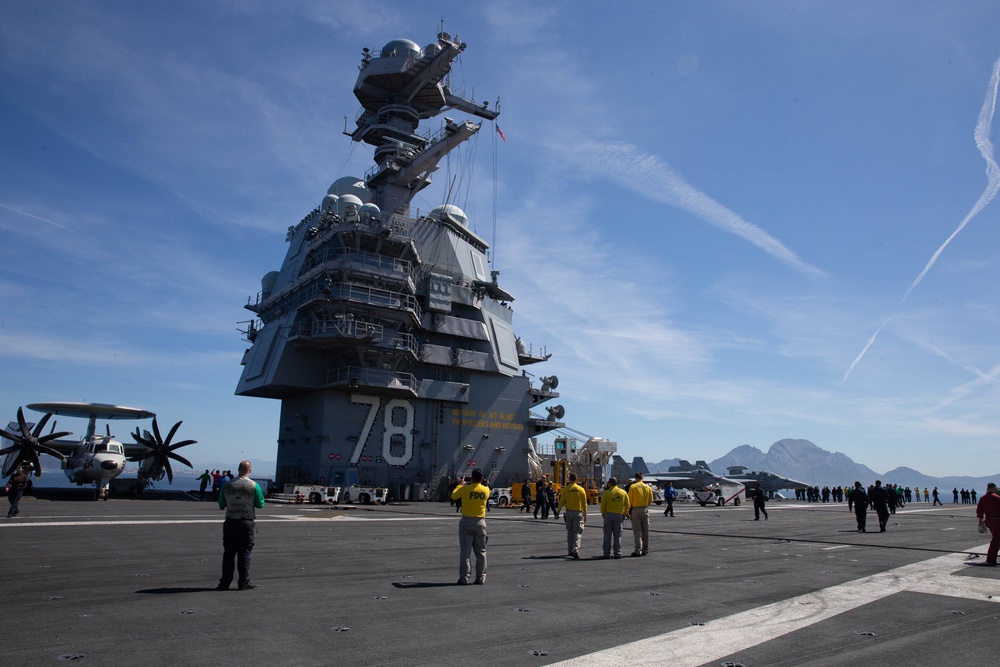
<point>730,223</point>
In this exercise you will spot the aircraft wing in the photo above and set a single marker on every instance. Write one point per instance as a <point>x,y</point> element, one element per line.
<point>688,480</point>
<point>770,482</point>
<point>779,484</point>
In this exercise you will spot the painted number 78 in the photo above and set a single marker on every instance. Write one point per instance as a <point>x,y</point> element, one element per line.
<point>397,423</point>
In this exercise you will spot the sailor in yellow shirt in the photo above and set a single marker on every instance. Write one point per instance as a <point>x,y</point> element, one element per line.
<point>574,499</point>
<point>472,527</point>
<point>614,506</point>
<point>639,498</point>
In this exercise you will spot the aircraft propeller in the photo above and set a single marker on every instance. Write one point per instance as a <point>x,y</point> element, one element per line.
<point>29,445</point>
<point>160,450</point>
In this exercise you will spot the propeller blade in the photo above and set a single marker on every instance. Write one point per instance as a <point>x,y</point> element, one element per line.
<point>10,449</point>
<point>25,431</point>
<point>53,436</point>
<point>171,434</point>
<point>45,449</point>
<point>170,473</point>
<point>9,469</point>
<point>9,435</point>
<point>156,431</point>
<point>182,443</point>
<point>36,463</point>
<point>178,457</point>
<point>41,424</point>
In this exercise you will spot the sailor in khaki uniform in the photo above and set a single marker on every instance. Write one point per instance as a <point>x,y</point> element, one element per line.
<point>614,507</point>
<point>639,498</point>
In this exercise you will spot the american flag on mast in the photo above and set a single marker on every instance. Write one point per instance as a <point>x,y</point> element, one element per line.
<point>502,135</point>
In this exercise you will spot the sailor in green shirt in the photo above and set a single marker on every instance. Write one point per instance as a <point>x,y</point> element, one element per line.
<point>614,506</point>
<point>574,499</point>
<point>472,527</point>
<point>240,498</point>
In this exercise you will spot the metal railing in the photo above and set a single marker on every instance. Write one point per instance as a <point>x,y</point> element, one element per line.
<point>358,376</point>
<point>370,260</point>
<point>345,328</point>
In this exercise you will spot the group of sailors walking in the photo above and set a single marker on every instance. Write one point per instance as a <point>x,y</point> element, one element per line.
<point>618,504</point>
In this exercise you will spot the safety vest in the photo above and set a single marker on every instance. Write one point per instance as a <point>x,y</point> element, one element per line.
<point>240,496</point>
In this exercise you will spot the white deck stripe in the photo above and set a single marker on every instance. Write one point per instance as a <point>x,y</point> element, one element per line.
<point>15,523</point>
<point>697,645</point>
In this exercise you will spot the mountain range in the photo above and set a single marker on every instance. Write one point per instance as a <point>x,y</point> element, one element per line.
<point>804,461</point>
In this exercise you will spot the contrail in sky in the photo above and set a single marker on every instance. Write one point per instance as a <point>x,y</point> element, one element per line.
<point>984,126</point>
<point>31,215</point>
<point>871,341</point>
<point>654,178</point>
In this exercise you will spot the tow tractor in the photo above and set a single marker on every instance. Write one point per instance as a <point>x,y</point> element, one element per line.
<point>365,495</point>
<point>501,497</point>
<point>310,493</point>
<point>719,495</point>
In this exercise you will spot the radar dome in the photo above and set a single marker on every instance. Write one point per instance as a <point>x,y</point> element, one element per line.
<point>349,185</point>
<point>345,201</point>
<point>400,47</point>
<point>371,210</point>
<point>452,212</point>
<point>267,283</point>
<point>329,203</point>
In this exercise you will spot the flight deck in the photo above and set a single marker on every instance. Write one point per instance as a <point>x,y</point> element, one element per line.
<point>110,583</point>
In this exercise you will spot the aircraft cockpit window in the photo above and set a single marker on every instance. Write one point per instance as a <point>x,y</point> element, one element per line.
<point>115,449</point>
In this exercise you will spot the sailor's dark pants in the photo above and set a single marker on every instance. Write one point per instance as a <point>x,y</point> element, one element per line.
<point>237,543</point>
<point>883,515</point>
<point>14,497</point>
<point>862,516</point>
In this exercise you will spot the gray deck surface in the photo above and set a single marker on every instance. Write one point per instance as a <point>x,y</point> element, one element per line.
<point>129,581</point>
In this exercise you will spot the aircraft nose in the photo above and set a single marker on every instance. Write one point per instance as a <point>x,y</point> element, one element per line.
<point>109,465</point>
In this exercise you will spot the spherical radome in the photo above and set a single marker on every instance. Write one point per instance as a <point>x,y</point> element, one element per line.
<point>450,210</point>
<point>350,185</point>
<point>345,201</point>
<point>400,47</point>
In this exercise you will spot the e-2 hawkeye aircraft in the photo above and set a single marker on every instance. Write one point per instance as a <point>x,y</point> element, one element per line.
<point>94,459</point>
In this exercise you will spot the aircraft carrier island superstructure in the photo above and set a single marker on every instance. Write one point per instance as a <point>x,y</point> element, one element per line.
<point>385,335</point>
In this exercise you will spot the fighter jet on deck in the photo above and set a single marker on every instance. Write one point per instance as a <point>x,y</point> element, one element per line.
<point>768,481</point>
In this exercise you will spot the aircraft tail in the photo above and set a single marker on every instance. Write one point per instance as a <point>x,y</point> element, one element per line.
<point>619,468</point>
<point>639,465</point>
